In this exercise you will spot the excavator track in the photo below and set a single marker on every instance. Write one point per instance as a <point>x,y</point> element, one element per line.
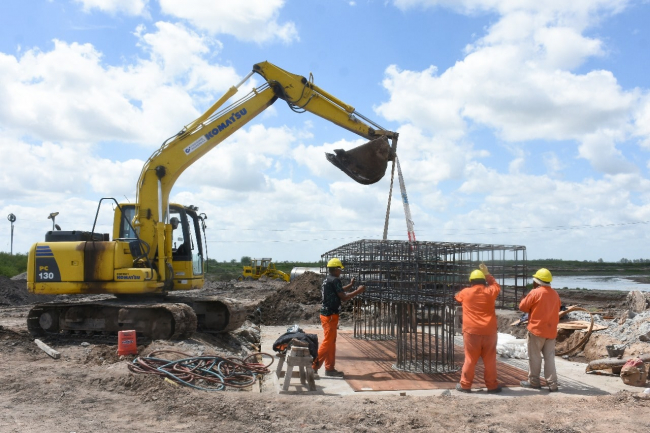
<point>214,314</point>
<point>155,321</point>
<point>176,319</point>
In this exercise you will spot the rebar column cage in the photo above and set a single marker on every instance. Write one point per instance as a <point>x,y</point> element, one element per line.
<point>410,289</point>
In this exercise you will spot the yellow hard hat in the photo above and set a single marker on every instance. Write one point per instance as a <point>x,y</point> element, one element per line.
<point>543,275</point>
<point>476,275</point>
<point>335,263</point>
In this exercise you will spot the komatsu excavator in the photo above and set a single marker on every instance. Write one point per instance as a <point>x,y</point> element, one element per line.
<point>157,247</point>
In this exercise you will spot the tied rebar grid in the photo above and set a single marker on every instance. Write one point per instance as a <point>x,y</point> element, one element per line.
<point>410,289</point>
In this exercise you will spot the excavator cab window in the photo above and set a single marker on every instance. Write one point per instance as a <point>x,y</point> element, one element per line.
<point>187,244</point>
<point>125,229</point>
<point>180,235</point>
<point>194,243</point>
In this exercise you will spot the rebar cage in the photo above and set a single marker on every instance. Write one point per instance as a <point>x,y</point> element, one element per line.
<point>410,289</point>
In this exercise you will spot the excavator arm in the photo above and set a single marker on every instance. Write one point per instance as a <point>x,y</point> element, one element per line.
<point>365,164</point>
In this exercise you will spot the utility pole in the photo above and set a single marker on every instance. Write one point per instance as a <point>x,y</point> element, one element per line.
<point>12,218</point>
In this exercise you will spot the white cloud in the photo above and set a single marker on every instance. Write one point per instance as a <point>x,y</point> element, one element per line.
<point>313,157</point>
<point>128,7</point>
<point>517,81</point>
<point>498,87</point>
<point>239,162</point>
<point>537,211</point>
<point>574,12</point>
<point>553,163</point>
<point>69,94</point>
<point>642,121</point>
<point>600,149</point>
<point>59,170</point>
<point>253,20</point>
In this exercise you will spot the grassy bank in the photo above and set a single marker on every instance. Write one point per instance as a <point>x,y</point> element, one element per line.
<point>12,265</point>
<point>576,267</point>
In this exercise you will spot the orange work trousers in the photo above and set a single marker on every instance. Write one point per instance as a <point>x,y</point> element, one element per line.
<point>327,349</point>
<point>479,346</point>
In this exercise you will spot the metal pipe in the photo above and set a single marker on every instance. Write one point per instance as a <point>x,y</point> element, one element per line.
<point>605,363</point>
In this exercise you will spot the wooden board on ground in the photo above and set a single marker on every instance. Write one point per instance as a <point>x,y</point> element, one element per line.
<point>579,324</point>
<point>47,349</point>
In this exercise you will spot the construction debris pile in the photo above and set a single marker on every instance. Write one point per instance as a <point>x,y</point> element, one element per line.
<point>628,331</point>
<point>629,328</point>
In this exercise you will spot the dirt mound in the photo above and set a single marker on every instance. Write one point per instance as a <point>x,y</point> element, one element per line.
<point>505,318</point>
<point>303,290</point>
<point>14,292</point>
<point>298,301</point>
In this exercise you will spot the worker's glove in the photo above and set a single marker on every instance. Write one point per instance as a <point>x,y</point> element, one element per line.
<point>484,269</point>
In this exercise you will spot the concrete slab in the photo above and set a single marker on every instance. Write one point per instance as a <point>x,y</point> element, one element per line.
<point>572,378</point>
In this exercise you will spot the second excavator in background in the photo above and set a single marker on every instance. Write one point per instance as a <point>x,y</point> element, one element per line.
<point>262,268</point>
<point>157,247</point>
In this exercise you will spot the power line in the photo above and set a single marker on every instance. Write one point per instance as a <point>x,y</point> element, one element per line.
<point>401,235</point>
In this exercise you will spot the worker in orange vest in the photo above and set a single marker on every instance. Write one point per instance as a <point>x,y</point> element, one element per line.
<point>479,329</point>
<point>333,293</point>
<point>543,306</point>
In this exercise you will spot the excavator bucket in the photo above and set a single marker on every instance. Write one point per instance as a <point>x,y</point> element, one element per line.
<point>365,164</point>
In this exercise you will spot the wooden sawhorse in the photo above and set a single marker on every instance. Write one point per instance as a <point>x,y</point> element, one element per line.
<point>297,357</point>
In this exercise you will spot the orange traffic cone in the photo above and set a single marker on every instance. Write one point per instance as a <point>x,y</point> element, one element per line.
<point>126,344</point>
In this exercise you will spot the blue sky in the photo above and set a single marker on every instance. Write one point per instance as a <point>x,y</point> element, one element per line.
<point>521,122</point>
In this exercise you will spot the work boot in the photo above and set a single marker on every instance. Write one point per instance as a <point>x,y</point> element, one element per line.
<point>333,373</point>
<point>461,389</point>
<point>553,389</point>
<point>526,384</point>
<point>496,390</point>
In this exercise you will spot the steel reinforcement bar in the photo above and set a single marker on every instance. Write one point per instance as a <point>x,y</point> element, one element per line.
<point>410,289</point>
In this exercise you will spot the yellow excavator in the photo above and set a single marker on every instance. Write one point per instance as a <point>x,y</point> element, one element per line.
<point>157,247</point>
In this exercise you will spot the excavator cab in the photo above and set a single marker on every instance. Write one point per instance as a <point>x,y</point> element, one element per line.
<point>187,244</point>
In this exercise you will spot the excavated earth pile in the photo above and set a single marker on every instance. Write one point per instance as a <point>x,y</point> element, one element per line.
<point>298,301</point>
<point>14,292</point>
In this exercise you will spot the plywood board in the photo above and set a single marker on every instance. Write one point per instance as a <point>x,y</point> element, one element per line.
<point>579,324</point>
<point>368,366</point>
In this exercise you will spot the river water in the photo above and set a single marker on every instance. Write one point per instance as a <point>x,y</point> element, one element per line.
<point>598,283</point>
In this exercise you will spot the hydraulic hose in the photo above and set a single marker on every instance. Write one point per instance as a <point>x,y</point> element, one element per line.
<point>207,373</point>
